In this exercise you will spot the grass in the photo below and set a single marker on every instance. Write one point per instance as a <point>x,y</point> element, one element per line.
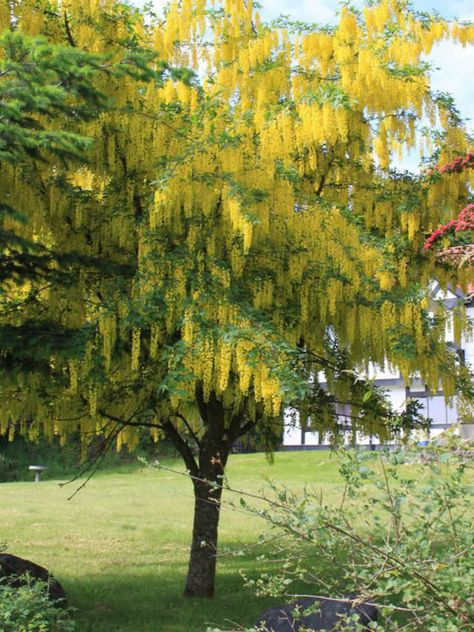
<point>120,547</point>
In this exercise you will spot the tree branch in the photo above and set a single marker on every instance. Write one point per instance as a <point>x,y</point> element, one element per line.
<point>128,422</point>
<point>182,447</point>
<point>237,430</point>
<point>93,462</point>
<point>188,426</point>
<point>67,26</point>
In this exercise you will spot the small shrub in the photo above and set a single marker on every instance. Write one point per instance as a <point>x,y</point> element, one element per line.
<point>29,609</point>
<point>401,538</point>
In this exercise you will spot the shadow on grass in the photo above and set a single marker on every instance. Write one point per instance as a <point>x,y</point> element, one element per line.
<point>152,601</point>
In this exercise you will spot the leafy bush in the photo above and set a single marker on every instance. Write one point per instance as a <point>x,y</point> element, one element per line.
<point>402,538</point>
<point>29,609</point>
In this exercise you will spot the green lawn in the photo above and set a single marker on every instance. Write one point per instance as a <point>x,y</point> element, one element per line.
<point>120,546</point>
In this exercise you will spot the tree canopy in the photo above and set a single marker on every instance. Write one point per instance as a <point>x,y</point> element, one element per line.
<point>39,80</point>
<point>47,91</point>
<point>258,234</point>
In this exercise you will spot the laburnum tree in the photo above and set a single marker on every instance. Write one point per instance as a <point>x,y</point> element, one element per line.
<point>265,247</point>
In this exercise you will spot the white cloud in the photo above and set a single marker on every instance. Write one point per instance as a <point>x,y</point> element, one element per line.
<point>321,11</point>
<point>454,75</point>
<point>325,10</point>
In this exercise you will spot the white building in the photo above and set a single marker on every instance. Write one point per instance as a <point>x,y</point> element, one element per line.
<point>434,405</point>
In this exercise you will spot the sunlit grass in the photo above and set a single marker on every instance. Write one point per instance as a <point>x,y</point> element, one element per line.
<point>120,546</point>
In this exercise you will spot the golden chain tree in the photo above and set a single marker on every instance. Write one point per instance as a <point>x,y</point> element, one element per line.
<point>258,228</point>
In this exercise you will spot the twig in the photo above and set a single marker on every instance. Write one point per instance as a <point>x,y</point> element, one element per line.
<point>94,464</point>
<point>223,487</point>
<point>67,26</point>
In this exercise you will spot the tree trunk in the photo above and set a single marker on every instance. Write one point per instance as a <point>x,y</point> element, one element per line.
<point>202,562</point>
<point>207,474</point>
<point>207,484</point>
<point>214,448</point>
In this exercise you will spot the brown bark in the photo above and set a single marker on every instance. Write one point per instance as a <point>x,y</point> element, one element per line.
<point>207,500</point>
<point>200,581</point>
<point>213,452</point>
<point>207,472</point>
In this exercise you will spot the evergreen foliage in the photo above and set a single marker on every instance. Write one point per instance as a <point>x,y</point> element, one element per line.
<point>47,92</point>
<point>240,229</point>
<point>39,81</point>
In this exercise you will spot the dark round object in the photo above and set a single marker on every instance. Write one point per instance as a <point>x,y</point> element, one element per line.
<point>324,614</point>
<point>16,570</point>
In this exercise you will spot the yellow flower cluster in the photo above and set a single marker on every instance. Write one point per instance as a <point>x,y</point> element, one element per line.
<point>266,177</point>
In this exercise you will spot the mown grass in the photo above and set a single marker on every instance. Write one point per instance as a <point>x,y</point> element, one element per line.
<point>120,546</point>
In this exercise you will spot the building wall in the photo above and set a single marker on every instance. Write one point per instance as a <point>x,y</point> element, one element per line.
<point>434,405</point>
